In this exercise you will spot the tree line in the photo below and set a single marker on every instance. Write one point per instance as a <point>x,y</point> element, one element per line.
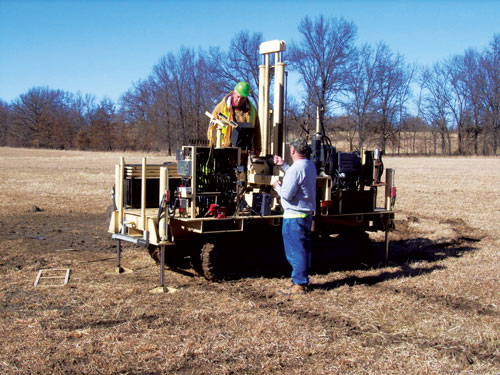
<point>365,95</point>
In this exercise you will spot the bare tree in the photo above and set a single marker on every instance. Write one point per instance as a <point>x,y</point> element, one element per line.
<point>162,106</point>
<point>204,94</point>
<point>86,107</point>
<point>100,135</point>
<point>321,58</point>
<point>361,90</point>
<point>4,122</point>
<point>189,93</point>
<point>137,110</point>
<point>456,100</point>
<point>393,80</point>
<point>490,96</point>
<point>160,110</point>
<point>419,102</point>
<point>169,106</point>
<point>413,127</point>
<point>296,119</point>
<point>239,63</point>
<point>435,84</point>
<point>42,118</point>
<point>473,77</point>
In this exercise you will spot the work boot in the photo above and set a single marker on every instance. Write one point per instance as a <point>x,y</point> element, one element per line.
<point>294,289</point>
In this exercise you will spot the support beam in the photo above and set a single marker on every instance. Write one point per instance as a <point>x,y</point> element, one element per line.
<point>162,266</point>
<point>118,254</point>
<point>119,269</point>
<point>389,184</point>
<point>386,246</point>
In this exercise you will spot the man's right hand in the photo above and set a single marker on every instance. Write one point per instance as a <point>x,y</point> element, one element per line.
<point>278,160</point>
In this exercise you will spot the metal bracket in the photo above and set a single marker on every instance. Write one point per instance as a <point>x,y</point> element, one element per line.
<point>137,241</point>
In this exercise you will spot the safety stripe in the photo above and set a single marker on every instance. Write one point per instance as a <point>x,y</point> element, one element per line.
<point>292,215</point>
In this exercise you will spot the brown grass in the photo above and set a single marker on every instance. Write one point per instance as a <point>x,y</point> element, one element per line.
<point>435,309</point>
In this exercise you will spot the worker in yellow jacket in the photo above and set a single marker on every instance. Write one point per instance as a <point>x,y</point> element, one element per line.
<point>236,106</point>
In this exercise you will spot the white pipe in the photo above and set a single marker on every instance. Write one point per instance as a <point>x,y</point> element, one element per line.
<point>163,189</point>
<point>120,190</point>
<point>118,204</point>
<point>262,74</point>
<point>193,182</point>
<point>143,194</point>
<point>389,183</point>
<point>317,120</point>
<point>265,109</point>
<point>279,82</point>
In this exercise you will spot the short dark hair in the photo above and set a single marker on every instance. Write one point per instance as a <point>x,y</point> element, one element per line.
<point>300,145</point>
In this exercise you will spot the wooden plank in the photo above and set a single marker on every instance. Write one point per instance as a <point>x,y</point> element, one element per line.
<point>38,278</point>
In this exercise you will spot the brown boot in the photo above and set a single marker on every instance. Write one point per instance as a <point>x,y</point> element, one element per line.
<point>294,289</point>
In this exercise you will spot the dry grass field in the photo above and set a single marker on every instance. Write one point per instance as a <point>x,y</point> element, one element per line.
<point>433,309</point>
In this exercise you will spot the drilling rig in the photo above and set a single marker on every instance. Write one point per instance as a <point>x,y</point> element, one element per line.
<point>215,203</point>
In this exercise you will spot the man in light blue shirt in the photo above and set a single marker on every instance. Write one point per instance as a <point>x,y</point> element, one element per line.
<point>298,199</point>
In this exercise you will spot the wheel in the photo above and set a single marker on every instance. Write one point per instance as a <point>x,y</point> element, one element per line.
<point>218,261</point>
<point>208,262</point>
<point>222,258</point>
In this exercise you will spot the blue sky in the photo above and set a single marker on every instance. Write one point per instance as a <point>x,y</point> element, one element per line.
<point>101,47</point>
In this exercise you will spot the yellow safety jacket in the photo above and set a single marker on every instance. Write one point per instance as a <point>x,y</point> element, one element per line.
<point>248,114</point>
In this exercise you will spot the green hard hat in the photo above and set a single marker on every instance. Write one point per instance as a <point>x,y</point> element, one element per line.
<point>242,89</point>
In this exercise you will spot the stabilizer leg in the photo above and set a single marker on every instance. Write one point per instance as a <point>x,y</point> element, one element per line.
<point>119,269</point>
<point>162,288</point>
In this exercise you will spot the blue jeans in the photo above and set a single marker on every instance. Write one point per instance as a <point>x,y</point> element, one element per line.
<point>298,243</point>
